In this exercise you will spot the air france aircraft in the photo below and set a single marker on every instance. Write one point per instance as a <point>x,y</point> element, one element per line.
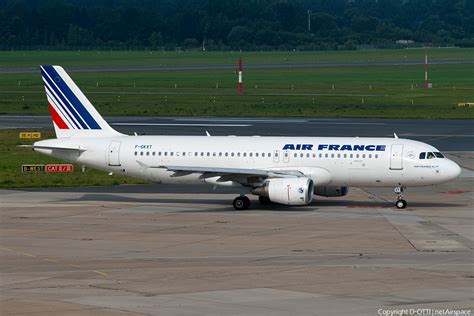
<point>285,170</point>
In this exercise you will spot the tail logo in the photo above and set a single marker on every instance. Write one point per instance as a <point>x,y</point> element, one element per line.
<point>64,98</point>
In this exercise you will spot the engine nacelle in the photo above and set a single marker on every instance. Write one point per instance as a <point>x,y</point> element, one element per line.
<point>331,191</point>
<point>288,191</point>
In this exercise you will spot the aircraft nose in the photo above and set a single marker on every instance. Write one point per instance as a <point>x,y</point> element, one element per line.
<point>453,170</point>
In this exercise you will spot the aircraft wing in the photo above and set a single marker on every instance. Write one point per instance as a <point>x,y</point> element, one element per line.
<point>239,175</point>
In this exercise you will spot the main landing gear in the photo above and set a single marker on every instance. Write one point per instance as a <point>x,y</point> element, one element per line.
<point>400,203</point>
<point>241,203</point>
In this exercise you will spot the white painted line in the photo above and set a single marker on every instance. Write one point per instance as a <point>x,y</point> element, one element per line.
<point>179,124</point>
<point>241,120</point>
<point>438,135</point>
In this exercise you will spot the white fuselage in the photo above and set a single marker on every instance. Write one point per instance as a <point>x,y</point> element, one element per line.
<point>328,161</point>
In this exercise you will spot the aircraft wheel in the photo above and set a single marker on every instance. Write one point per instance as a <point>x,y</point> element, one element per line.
<point>401,204</point>
<point>241,203</point>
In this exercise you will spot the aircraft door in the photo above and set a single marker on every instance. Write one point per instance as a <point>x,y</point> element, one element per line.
<point>396,157</point>
<point>276,156</point>
<point>286,156</point>
<point>114,153</point>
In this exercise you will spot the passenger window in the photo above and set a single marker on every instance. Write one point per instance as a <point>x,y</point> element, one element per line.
<point>326,155</point>
<point>166,153</point>
<point>376,156</point>
<point>220,154</point>
<point>232,154</point>
<point>363,156</point>
<point>245,154</point>
<point>357,155</point>
<point>301,155</point>
<point>202,153</point>
<point>184,153</point>
<point>250,154</point>
<point>226,154</point>
<point>345,155</point>
<point>276,155</point>
<point>238,154</point>
<point>208,154</point>
<point>141,153</point>
<point>430,156</point>
<point>195,153</point>
<point>136,153</point>
<point>320,155</point>
<point>171,153</point>
<point>332,155</point>
<point>338,155</point>
<point>295,155</point>
<point>422,155</point>
<point>370,155</point>
<point>269,154</point>
<point>351,156</point>
<point>154,153</point>
<point>213,154</point>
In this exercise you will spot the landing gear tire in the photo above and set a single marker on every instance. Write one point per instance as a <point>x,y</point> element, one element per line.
<point>241,203</point>
<point>401,204</point>
<point>264,200</point>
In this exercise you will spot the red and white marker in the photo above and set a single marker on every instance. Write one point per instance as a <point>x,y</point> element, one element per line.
<point>239,85</point>
<point>426,68</point>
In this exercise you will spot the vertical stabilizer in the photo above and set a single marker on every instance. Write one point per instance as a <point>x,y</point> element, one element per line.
<point>72,113</point>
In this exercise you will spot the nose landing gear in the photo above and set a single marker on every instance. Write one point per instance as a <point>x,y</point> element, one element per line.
<point>400,203</point>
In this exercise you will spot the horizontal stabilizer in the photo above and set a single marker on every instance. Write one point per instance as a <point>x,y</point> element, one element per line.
<point>79,149</point>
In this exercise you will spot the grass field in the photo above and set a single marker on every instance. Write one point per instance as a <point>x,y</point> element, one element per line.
<point>146,58</point>
<point>375,91</point>
<point>12,157</point>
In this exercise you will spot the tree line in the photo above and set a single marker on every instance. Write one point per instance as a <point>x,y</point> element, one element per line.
<point>234,24</point>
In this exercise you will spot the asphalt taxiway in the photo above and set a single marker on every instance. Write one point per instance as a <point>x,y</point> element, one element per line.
<point>446,135</point>
<point>162,250</point>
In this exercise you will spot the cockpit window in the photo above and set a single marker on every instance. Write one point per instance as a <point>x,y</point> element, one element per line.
<point>429,155</point>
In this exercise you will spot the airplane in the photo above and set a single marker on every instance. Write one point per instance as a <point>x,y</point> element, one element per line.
<point>283,170</point>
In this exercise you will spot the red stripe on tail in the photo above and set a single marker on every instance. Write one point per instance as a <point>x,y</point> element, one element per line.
<point>57,119</point>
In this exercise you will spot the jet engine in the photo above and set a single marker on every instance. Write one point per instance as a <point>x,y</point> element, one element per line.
<point>331,191</point>
<point>289,191</point>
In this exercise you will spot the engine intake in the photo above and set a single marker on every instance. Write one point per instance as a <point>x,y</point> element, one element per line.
<point>331,191</point>
<point>289,191</point>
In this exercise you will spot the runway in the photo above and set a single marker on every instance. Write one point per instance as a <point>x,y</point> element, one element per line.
<point>446,135</point>
<point>183,250</point>
<point>25,70</point>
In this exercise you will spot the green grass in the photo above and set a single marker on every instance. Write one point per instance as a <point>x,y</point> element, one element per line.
<point>376,91</point>
<point>358,92</point>
<point>142,58</point>
<point>12,157</point>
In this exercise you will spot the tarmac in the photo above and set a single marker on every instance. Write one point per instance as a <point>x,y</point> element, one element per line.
<point>169,250</point>
<point>446,135</point>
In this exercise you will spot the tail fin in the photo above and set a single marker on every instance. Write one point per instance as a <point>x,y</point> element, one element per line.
<point>72,113</point>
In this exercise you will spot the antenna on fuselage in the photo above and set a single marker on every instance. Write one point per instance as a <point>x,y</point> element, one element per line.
<point>207,133</point>
<point>395,135</point>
